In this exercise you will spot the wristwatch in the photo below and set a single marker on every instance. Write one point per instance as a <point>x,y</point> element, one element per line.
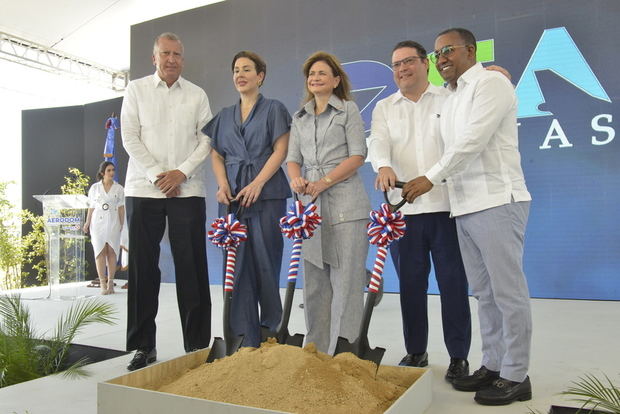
<point>327,180</point>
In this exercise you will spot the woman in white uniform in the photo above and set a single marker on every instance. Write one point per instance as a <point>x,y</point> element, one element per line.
<point>105,220</point>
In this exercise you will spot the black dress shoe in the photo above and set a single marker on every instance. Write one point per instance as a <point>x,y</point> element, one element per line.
<point>414,360</point>
<point>480,379</point>
<point>503,392</point>
<point>142,358</point>
<point>458,368</point>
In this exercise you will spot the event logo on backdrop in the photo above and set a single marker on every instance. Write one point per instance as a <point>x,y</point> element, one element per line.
<point>565,120</point>
<point>556,51</point>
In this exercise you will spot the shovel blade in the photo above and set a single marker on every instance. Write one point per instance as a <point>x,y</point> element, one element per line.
<point>218,350</point>
<point>266,333</point>
<point>343,345</point>
<point>221,348</point>
<point>295,340</point>
<point>360,349</point>
<point>233,344</point>
<point>375,355</point>
<point>282,336</point>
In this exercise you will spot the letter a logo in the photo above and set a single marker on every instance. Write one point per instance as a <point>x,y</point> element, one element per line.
<point>556,51</point>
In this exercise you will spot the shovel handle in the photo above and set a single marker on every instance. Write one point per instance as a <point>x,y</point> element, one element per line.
<point>296,198</point>
<point>240,209</point>
<point>377,270</point>
<point>368,308</point>
<point>293,268</point>
<point>288,304</point>
<point>228,335</point>
<point>231,251</point>
<point>397,206</point>
<point>229,277</point>
<point>373,289</point>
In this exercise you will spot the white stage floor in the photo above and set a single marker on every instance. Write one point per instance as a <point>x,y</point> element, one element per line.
<point>571,338</point>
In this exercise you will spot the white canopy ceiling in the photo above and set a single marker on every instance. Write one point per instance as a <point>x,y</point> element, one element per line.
<point>96,30</point>
<point>93,30</point>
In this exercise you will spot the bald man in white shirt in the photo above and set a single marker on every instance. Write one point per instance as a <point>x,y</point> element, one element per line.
<point>481,166</point>
<point>161,120</point>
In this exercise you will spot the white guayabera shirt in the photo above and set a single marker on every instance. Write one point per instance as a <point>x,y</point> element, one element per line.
<point>161,131</point>
<point>405,137</point>
<point>481,163</point>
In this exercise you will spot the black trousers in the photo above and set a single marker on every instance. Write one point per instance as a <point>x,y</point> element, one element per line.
<point>432,235</point>
<point>146,218</point>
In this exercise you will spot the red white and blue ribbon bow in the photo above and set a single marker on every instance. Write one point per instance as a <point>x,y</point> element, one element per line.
<point>298,224</point>
<point>385,226</point>
<point>228,233</point>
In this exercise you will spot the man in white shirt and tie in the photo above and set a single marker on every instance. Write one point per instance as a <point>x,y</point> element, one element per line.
<point>405,142</point>
<point>161,119</point>
<point>481,166</point>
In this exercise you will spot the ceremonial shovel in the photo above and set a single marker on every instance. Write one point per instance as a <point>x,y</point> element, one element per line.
<point>386,225</point>
<point>227,233</point>
<point>298,224</point>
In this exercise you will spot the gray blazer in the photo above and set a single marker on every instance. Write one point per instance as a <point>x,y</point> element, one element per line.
<point>319,144</point>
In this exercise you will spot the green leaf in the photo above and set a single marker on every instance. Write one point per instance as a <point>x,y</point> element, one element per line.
<point>593,393</point>
<point>24,355</point>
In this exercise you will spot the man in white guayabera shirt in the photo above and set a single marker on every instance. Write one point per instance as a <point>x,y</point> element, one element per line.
<point>161,119</point>
<point>481,167</point>
<point>404,143</point>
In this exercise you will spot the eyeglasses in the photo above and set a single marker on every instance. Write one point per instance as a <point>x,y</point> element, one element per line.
<point>405,62</point>
<point>444,51</point>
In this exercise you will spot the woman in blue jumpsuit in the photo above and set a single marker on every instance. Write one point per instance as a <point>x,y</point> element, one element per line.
<point>250,142</point>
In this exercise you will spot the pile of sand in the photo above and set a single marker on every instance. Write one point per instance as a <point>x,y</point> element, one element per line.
<point>296,380</point>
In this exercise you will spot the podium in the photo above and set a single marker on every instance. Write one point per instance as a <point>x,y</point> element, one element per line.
<point>63,215</point>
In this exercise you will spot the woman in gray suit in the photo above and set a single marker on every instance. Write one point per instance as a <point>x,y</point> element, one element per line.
<point>327,139</point>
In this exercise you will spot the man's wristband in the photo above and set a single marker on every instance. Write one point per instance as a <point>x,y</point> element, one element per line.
<point>327,180</point>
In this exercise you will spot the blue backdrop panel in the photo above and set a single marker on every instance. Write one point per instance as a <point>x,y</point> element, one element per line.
<point>562,57</point>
